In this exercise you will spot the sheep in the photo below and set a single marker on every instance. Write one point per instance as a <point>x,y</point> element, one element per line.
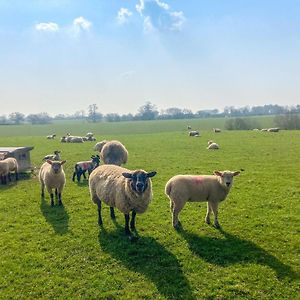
<point>194,133</point>
<point>89,135</point>
<point>128,191</point>
<point>55,156</point>
<point>189,127</point>
<point>51,137</point>
<point>8,165</point>
<point>217,130</point>
<point>273,129</point>
<point>52,176</point>
<point>63,139</point>
<point>212,145</point>
<point>112,152</point>
<point>199,188</point>
<point>82,166</point>
<point>74,139</point>
<point>264,129</point>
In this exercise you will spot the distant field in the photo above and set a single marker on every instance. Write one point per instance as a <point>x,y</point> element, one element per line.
<point>60,252</point>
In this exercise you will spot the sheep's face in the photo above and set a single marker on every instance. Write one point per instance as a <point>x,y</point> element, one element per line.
<point>95,160</point>
<point>56,165</point>
<point>226,177</point>
<point>139,180</point>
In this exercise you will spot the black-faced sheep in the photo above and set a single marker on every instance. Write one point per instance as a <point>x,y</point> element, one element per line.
<point>217,130</point>
<point>7,166</point>
<point>128,191</point>
<point>54,156</point>
<point>194,133</point>
<point>81,167</point>
<point>51,136</point>
<point>199,188</point>
<point>52,176</point>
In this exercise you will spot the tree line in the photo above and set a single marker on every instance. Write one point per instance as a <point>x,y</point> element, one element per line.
<point>149,111</point>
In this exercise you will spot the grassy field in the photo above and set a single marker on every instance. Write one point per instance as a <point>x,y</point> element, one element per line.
<point>60,252</point>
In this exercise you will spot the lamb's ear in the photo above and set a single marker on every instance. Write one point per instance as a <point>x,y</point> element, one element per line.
<point>127,175</point>
<point>49,161</point>
<point>236,173</point>
<point>151,174</point>
<point>218,173</point>
<point>63,162</point>
<point>98,156</point>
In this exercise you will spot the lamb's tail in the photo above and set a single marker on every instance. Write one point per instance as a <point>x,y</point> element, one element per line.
<point>168,188</point>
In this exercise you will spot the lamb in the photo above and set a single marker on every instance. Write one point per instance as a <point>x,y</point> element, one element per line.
<point>212,145</point>
<point>52,176</point>
<point>51,136</point>
<point>54,156</point>
<point>82,166</point>
<point>194,133</point>
<point>199,188</point>
<point>128,191</point>
<point>217,130</point>
<point>112,152</point>
<point>8,165</point>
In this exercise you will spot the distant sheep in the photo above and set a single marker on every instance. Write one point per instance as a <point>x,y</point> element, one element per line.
<point>212,145</point>
<point>273,129</point>
<point>112,152</point>
<point>7,166</point>
<point>63,139</point>
<point>194,133</point>
<point>82,166</point>
<point>74,139</point>
<point>189,127</point>
<point>264,129</point>
<point>54,156</point>
<point>51,137</point>
<point>199,188</point>
<point>216,130</point>
<point>89,135</point>
<point>52,176</point>
<point>128,191</point>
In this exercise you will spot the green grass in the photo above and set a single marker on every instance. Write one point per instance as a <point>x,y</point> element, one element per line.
<point>61,253</point>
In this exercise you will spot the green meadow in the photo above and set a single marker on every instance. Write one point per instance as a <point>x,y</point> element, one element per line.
<point>61,253</point>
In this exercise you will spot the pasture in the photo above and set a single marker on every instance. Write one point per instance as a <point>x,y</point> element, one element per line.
<point>61,253</point>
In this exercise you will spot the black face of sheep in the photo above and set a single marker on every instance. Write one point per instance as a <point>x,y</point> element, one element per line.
<point>95,160</point>
<point>139,180</point>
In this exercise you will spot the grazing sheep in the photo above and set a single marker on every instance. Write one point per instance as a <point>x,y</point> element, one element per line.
<point>264,129</point>
<point>55,156</point>
<point>99,145</point>
<point>51,137</point>
<point>82,166</point>
<point>212,145</point>
<point>194,133</point>
<point>89,135</point>
<point>74,139</point>
<point>128,191</point>
<point>8,165</point>
<point>91,139</point>
<point>52,176</point>
<point>63,139</point>
<point>189,127</point>
<point>273,129</point>
<point>216,130</point>
<point>199,188</point>
<point>112,152</point>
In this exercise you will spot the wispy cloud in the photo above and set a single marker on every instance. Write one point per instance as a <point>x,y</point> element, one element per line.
<point>50,26</point>
<point>123,15</point>
<point>82,24</point>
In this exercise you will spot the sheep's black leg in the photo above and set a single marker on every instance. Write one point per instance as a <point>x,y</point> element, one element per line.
<point>59,199</point>
<point>132,222</point>
<point>9,177</point>
<point>56,194</point>
<point>112,213</point>
<point>52,200</point>
<point>99,213</point>
<point>78,176</point>
<point>127,231</point>
<point>84,176</point>
<point>17,176</point>
<point>74,174</point>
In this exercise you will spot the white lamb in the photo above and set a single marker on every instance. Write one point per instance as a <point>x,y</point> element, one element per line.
<point>128,191</point>
<point>212,145</point>
<point>8,165</point>
<point>199,188</point>
<point>52,176</point>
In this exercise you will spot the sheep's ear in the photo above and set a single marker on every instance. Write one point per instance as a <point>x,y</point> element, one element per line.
<point>151,174</point>
<point>236,173</point>
<point>218,173</point>
<point>63,162</point>
<point>98,156</point>
<point>127,175</point>
<point>49,161</point>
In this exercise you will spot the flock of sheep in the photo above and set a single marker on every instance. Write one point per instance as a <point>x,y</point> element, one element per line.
<point>130,191</point>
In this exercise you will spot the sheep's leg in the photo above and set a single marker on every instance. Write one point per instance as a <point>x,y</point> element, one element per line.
<point>132,222</point>
<point>112,213</point>
<point>177,207</point>
<point>4,179</point>
<point>56,194</point>
<point>207,217</point>
<point>127,231</point>
<point>59,199</point>
<point>9,177</point>
<point>78,176</point>
<point>52,200</point>
<point>84,176</point>
<point>74,174</point>
<point>17,175</point>
<point>99,213</point>
<point>214,208</point>
<point>42,189</point>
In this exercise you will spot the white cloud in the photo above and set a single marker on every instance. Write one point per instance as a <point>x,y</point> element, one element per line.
<point>123,15</point>
<point>82,23</point>
<point>178,19</point>
<point>140,6</point>
<point>163,5</point>
<point>50,26</point>
<point>148,26</point>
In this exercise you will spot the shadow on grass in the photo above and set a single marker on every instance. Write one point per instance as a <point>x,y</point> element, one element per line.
<point>149,258</point>
<point>57,216</point>
<point>231,249</point>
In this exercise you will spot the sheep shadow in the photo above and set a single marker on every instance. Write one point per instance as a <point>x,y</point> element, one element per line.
<point>231,249</point>
<point>149,258</point>
<point>57,216</point>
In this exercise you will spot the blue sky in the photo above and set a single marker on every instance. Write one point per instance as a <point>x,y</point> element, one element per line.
<point>59,56</point>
